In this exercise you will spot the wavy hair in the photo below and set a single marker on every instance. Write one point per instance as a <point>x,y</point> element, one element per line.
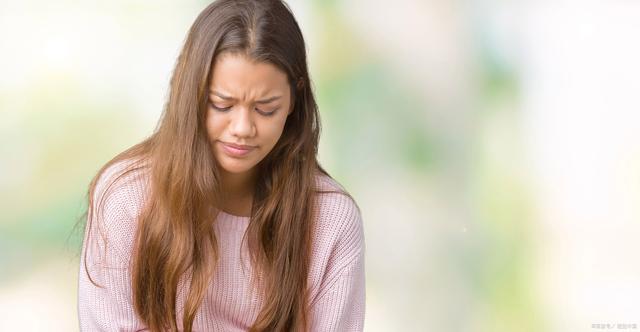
<point>174,233</point>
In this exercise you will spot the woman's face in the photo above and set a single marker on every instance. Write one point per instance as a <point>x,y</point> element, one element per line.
<point>248,106</point>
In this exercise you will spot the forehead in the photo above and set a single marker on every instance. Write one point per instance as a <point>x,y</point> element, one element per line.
<point>237,73</point>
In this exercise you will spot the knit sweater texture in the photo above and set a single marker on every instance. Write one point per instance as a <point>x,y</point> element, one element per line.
<point>336,278</point>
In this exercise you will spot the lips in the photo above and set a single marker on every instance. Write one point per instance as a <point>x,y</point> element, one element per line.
<point>236,150</point>
<point>239,146</point>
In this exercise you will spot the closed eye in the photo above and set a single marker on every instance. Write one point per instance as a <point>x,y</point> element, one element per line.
<point>219,109</point>
<point>226,109</point>
<point>266,113</point>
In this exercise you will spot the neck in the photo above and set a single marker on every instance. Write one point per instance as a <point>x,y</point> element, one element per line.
<point>238,185</point>
<point>237,192</point>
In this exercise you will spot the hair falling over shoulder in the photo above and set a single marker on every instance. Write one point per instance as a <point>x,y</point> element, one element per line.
<point>174,230</point>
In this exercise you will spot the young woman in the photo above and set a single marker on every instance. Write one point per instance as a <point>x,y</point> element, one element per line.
<point>223,220</point>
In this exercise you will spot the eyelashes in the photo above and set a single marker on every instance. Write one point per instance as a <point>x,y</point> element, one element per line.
<point>226,109</point>
<point>219,109</point>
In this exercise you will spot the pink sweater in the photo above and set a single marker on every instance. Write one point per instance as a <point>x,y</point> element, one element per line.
<point>336,277</point>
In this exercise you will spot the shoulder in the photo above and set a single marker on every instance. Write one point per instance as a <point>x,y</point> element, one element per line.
<point>123,184</point>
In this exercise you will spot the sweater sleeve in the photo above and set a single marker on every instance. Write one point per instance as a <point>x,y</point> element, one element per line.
<point>108,306</point>
<point>340,302</point>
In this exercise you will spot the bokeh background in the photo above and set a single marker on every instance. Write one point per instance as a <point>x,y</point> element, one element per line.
<point>493,147</point>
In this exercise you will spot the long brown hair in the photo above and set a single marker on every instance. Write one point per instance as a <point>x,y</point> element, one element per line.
<point>174,234</point>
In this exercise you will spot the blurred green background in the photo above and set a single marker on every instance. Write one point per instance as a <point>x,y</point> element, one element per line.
<point>493,147</point>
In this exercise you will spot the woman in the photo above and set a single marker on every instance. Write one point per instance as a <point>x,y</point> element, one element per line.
<point>223,220</point>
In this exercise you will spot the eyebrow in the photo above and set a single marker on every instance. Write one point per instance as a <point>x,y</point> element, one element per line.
<point>263,101</point>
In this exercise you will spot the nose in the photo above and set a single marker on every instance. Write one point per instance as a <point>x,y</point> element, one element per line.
<point>242,125</point>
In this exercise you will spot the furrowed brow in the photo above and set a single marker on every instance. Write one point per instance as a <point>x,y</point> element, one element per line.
<point>221,95</point>
<point>263,101</point>
<point>268,100</point>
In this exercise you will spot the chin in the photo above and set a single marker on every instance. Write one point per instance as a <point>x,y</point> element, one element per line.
<point>236,166</point>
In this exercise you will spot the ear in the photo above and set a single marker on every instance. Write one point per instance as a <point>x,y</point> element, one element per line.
<point>292,103</point>
<point>298,88</point>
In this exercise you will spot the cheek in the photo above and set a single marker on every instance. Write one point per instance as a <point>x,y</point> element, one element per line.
<point>274,130</point>
<point>215,126</point>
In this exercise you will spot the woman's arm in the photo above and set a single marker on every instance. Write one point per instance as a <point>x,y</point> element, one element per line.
<point>107,244</point>
<point>339,304</point>
<point>108,308</point>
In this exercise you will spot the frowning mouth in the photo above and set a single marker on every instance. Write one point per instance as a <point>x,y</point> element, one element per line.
<point>236,150</point>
